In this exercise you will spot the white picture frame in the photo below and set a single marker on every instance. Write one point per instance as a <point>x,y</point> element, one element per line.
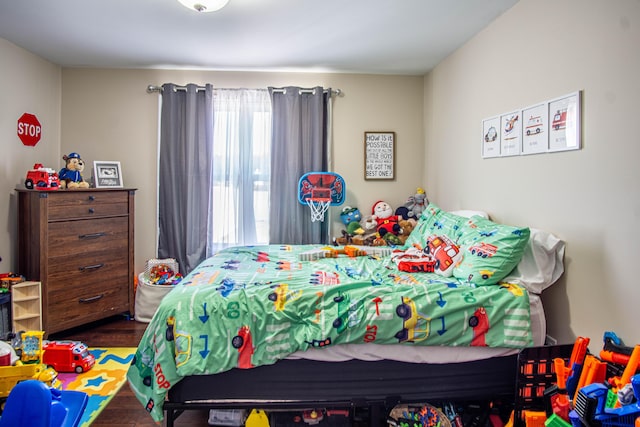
<point>107,174</point>
<point>565,123</point>
<point>511,134</point>
<point>535,130</point>
<point>491,137</point>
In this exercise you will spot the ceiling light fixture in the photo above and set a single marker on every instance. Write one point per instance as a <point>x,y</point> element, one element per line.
<point>204,5</point>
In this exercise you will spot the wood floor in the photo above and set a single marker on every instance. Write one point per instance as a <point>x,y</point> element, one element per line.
<point>124,410</point>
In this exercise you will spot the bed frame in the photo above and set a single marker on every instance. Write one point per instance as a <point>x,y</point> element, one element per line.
<point>376,386</point>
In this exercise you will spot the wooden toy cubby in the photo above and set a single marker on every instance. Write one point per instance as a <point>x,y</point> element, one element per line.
<point>26,306</point>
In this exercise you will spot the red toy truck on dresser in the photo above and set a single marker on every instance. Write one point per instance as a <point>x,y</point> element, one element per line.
<point>68,356</point>
<point>41,178</point>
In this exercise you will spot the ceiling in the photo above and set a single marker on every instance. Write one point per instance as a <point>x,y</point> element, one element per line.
<point>360,36</point>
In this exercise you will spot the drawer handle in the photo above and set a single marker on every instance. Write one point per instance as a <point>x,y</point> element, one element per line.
<point>91,236</point>
<point>92,198</point>
<point>91,210</point>
<point>91,267</point>
<point>92,299</point>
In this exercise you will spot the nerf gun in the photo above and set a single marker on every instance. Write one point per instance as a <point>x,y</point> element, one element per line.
<point>576,362</point>
<point>614,351</point>
<point>618,383</point>
<point>557,396</point>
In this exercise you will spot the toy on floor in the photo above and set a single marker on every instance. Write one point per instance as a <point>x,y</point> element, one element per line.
<point>32,404</point>
<point>68,356</point>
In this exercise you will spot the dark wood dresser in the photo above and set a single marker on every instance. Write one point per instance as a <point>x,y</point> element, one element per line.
<point>80,245</point>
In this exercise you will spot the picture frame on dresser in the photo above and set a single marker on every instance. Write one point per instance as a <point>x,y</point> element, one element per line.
<point>107,174</point>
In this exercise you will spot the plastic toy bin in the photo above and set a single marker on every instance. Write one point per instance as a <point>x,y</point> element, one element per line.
<point>535,373</point>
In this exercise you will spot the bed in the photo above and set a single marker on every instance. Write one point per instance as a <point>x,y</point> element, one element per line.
<point>313,326</point>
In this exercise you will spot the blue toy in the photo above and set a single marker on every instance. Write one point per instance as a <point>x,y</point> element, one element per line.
<point>32,403</point>
<point>70,175</point>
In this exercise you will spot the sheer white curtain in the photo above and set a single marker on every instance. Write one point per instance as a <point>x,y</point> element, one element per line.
<point>239,211</point>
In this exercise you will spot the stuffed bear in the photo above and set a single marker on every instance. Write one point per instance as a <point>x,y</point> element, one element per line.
<point>71,175</point>
<point>407,226</point>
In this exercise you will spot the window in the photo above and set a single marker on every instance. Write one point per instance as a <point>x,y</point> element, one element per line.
<point>239,212</point>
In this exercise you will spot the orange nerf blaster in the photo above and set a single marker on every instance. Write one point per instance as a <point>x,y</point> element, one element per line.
<point>576,362</point>
<point>629,371</point>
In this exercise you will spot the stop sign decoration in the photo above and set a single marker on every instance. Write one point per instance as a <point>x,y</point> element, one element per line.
<point>29,129</point>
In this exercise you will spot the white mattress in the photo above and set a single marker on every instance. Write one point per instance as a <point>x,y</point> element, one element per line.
<point>425,354</point>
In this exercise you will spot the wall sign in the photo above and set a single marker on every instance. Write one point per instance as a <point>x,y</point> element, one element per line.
<point>29,129</point>
<point>379,155</point>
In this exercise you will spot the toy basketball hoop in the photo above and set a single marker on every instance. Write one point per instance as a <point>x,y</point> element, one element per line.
<point>319,190</point>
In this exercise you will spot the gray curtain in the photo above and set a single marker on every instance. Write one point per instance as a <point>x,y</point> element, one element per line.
<point>299,145</point>
<point>185,170</point>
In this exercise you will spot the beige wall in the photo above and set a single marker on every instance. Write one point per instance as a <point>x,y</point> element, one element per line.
<point>539,50</point>
<point>107,115</point>
<point>29,85</point>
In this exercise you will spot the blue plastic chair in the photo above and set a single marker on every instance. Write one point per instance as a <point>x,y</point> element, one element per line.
<point>32,403</point>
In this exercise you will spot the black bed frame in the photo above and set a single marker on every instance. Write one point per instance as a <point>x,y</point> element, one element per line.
<point>376,386</point>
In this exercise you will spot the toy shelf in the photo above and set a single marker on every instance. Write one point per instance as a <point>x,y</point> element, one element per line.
<point>26,306</point>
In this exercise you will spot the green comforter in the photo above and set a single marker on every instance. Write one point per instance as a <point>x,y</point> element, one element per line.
<point>251,306</point>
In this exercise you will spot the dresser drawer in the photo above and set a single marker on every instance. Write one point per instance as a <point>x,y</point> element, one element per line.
<point>82,304</point>
<point>87,204</point>
<point>73,274</point>
<point>76,238</point>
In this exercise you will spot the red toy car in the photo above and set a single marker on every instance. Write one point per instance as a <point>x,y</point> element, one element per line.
<point>68,356</point>
<point>42,178</point>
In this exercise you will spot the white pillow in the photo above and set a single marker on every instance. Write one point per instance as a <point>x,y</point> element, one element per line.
<point>541,264</point>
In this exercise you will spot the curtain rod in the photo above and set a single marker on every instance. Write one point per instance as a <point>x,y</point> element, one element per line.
<point>158,89</point>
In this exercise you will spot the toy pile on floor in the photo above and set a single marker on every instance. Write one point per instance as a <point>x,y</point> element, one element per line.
<point>585,390</point>
<point>31,394</point>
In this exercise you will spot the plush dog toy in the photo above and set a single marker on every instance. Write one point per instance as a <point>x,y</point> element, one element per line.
<point>71,175</point>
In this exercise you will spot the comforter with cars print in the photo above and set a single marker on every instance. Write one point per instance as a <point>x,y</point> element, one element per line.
<point>252,306</point>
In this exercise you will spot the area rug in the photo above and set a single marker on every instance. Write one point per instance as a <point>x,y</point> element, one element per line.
<point>101,382</point>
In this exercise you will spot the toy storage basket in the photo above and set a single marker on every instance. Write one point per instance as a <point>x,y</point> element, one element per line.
<point>148,294</point>
<point>536,372</point>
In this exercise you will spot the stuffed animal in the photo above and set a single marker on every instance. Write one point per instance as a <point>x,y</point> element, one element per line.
<point>71,175</point>
<point>387,221</point>
<point>351,218</point>
<point>407,226</point>
<point>416,204</point>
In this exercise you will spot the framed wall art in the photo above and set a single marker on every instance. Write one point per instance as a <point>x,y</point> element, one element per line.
<point>107,174</point>
<point>545,127</point>
<point>535,134</point>
<point>564,123</point>
<point>491,137</point>
<point>511,134</point>
<point>379,155</point>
